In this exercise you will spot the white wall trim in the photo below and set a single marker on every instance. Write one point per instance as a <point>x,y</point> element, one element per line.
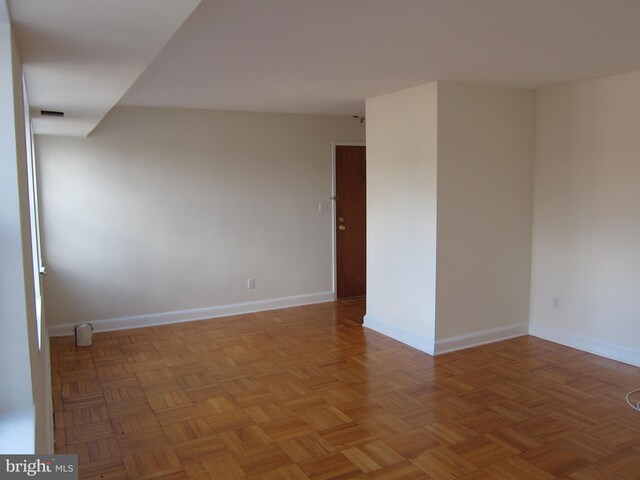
<point>587,344</point>
<point>180,316</point>
<point>482,337</point>
<point>423,344</point>
<point>49,426</point>
<point>334,247</point>
<point>451,344</point>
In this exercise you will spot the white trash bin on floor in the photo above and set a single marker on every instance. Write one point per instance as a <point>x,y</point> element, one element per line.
<point>84,333</point>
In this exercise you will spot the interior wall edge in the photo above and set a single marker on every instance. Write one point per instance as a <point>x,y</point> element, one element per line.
<point>424,344</point>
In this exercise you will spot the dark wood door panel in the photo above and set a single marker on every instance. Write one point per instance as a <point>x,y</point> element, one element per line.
<point>351,223</point>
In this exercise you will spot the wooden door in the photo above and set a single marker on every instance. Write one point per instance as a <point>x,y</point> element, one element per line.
<point>351,221</point>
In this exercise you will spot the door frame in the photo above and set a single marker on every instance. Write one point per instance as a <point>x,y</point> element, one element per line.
<point>334,240</point>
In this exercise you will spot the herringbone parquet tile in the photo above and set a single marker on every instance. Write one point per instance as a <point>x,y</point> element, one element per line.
<point>307,393</point>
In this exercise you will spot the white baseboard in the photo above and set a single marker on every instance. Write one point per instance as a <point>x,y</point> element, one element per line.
<point>180,316</point>
<point>482,337</point>
<point>451,344</point>
<point>423,344</point>
<point>587,344</point>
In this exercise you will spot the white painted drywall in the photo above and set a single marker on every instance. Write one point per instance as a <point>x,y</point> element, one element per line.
<point>25,399</point>
<point>15,303</point>
<point>586,232</point>
<point>486,141</point>
<point>401,214</point>
<point>163,210</point>
<point>452,163</point>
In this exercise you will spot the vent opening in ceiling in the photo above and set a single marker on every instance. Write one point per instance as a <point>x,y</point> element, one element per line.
<point>51,113</point>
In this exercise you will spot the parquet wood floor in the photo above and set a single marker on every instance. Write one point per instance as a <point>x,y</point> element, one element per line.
<point>307,393</point>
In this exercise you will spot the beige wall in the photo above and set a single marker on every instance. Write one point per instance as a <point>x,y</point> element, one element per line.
<point>586,221</point>
<point>401,214</point>
<point>485,204</point>
<point>163,210</point>
<point>582,141</point>
<point>449,202</point>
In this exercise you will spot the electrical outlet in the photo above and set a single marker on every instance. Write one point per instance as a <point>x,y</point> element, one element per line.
<point>251,283</point>
<point>556,303</point>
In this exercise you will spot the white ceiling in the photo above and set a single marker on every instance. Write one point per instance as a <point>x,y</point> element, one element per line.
<point>326,56</point>
<point>81,56</point>
<point>313,56</point>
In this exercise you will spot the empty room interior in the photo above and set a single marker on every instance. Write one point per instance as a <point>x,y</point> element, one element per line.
<point>338,239</point>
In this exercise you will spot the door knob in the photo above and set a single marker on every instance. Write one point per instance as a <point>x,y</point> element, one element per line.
<point>341,227</point>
